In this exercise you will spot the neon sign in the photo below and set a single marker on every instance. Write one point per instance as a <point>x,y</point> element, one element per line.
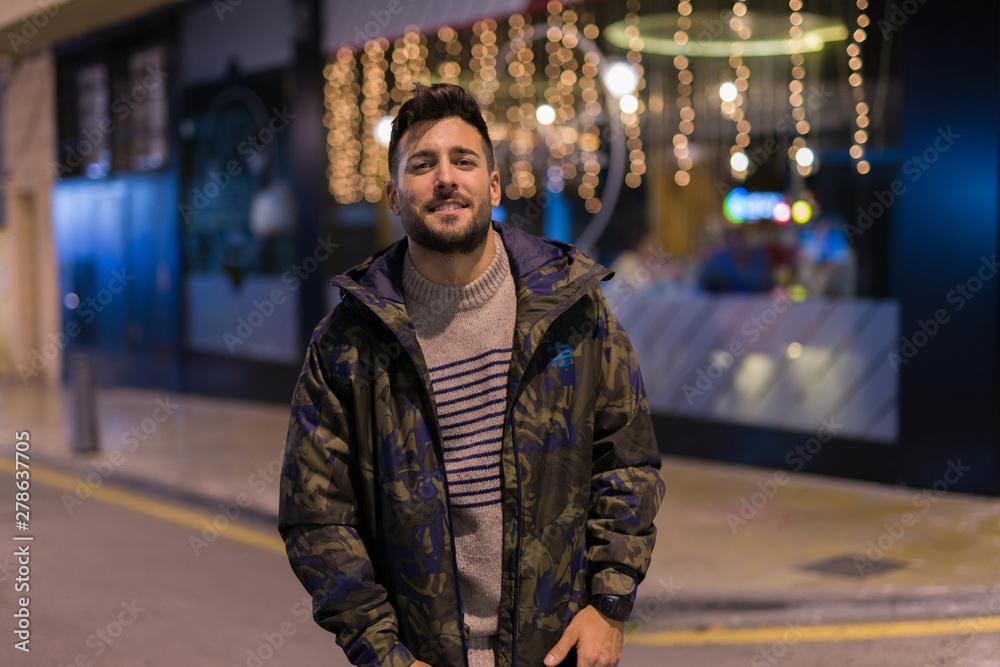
<point>742,206</point>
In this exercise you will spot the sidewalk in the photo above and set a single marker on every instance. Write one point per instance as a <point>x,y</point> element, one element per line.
<point>728,536</point>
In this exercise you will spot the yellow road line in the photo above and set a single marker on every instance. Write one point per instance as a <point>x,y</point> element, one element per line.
<point>819,633</point>
<point>762,635</point>
<point>160,510</point>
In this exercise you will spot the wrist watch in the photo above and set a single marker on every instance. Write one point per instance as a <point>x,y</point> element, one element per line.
<point>615,607</point>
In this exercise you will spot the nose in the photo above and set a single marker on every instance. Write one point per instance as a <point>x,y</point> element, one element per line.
<point>445,177</point>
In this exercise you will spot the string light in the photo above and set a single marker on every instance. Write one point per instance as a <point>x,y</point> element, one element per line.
<point>401,80</point>
<point>735,109</point>
<point>342,120</point>
<point>409,63</point>
<point>589,141</point>
<point>374,167</point>
<point>632,106</point>
<point>588,75</point>
<point>589,72</point>
<point>551,111</point>
<point>521,112</point>
<point>451,65</point>
<point>857,85</point>
<point>796,89</point>
<point>358,165</point>
<point>360,98</point>
<point>567,85</point>
<point>484,67</point>
<point>684,78</point>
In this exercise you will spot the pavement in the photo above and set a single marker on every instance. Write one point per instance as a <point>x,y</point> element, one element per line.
<point>736,544</point>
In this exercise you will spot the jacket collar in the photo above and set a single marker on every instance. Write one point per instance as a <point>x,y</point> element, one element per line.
<point>549,276</point>
<point>382,274</point>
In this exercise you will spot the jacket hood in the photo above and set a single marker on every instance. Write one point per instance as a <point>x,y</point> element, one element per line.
<point>382,273</point>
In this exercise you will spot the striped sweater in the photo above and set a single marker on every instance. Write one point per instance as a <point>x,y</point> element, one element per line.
<point>465,333</point>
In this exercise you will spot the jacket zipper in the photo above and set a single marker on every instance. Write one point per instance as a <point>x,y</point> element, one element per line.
<point>444,473</point>
<point>586,287</point>
<point>520,531</point>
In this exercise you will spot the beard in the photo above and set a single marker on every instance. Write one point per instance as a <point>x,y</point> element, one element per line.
<point>459,241</point>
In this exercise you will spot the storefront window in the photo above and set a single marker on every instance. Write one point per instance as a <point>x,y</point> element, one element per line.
<point>113,113</point>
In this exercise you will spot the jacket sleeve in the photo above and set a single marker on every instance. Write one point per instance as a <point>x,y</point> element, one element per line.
<point>626,488</point>
<point>319,522</point>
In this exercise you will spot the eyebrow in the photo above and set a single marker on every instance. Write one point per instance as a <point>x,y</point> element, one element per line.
<point>426,152</point>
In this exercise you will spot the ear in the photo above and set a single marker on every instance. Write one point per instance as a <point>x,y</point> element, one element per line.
<point>392,197</point>
<point>495,191</point>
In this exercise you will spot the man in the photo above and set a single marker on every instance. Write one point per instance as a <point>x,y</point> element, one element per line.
<point>470,471</point>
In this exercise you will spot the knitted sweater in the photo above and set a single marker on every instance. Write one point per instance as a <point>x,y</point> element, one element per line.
<point>465,333</point>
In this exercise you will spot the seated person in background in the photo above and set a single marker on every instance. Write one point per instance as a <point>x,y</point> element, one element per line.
<point>736,266</point>
<point>826,262</point>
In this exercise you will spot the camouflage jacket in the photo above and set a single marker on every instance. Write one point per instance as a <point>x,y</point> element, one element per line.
<point>364,507</point>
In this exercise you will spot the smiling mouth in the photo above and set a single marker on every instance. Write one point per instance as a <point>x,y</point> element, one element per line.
<point>448,207</point>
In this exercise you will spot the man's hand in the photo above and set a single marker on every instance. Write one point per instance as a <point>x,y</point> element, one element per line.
<point>597,638</point>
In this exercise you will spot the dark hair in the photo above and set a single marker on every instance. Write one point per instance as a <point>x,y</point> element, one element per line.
<point>441,100</point>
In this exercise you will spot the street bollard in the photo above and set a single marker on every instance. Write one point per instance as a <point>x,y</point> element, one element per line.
<point>84,406</point>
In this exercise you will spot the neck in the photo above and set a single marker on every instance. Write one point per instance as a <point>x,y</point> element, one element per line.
<point>445,269</point>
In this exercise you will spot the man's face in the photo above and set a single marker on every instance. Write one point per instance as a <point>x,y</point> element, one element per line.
<point>444,192</point>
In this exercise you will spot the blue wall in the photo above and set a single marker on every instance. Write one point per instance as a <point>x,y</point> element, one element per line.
<point>118,251</point>
<point>943,226</point>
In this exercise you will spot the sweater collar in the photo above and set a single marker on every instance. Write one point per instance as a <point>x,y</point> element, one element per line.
<point>420,290</point>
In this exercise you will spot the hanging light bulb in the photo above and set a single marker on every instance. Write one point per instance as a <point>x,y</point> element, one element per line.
<point>383,131</point>
<point>739,161</point>
<point>545,114</point>
<point>620,79</point>
<point>728,91</point>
